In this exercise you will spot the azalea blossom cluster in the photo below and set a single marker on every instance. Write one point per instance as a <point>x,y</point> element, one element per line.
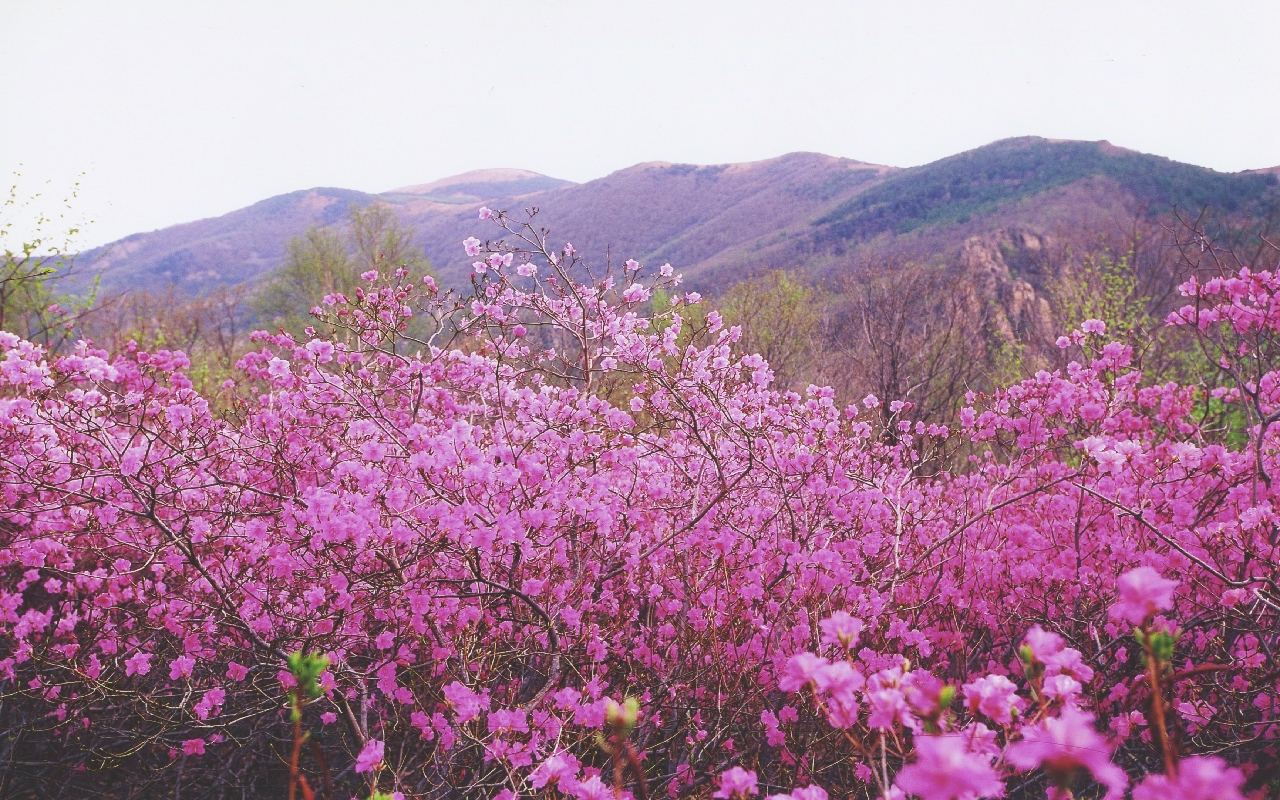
<point>557,499</point>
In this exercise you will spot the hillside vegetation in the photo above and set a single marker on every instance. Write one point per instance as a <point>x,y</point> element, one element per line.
<point>977,182</point>
<point>718,223</point>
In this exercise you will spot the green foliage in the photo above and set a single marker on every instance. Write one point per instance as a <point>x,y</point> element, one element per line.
<point>306,670</point>
<point>34,302</point>
<point>327,261</point>
<point>783,319</point>
<point>1007,360</point>
<point>977,182</point>
<point>1103,287</point>
<point>1161,644</point>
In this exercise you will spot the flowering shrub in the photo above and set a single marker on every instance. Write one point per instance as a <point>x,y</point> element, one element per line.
<point>495,533</point>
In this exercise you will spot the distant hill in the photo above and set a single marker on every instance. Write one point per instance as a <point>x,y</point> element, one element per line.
<point>958,188</point>
<point>716,223</point>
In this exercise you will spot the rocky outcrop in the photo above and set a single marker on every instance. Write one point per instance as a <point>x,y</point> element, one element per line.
<point>1006,298</point>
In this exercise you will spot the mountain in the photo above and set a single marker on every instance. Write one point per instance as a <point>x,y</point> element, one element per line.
<point>719,223</point>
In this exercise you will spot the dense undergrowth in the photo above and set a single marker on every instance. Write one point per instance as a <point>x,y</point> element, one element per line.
<point>540,543</point>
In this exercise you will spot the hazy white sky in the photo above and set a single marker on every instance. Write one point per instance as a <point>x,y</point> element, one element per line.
<point>182,110</point>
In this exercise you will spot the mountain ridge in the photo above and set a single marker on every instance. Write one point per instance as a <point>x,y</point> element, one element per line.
<point>715,222</point>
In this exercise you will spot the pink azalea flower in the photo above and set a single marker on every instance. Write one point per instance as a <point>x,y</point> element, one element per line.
<point>1198,778</point>
<point>840,680</point>
<point>1062,687</point>
<point>278,368</point>
<point>558,767</point>
<point>1066,744</point>
<point>842,629</point>
<point>193,747</point>
<point>371,756</point>
<point>593,789</point>
<point>138,664</point>
<point>807,793</point>
<point>1050,649</point>
<point>801,669</point>
<point>736,782</point>
<point>995,696</point>
<point>131,461</point>
<point>465,702</point>
<point>181,667</point>
<point>1143,594</point>
<point>945,770</point>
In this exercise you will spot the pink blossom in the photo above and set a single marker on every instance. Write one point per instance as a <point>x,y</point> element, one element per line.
<point>211,703</point>
<point>1062,687</point>
<point>138,664</point>
<point>736,782</point>
<point>181,667</point>
<point>278,368</point>
<point>840,680</point>
<point>945,770</point>
<point>807,793</point>
<point>466,703</point>
<point>801,669</point>
<point>842,629</point>
<point>592,789</point>
<point>1050,650</point>
<point>485,213</point>
<point>370,757</point>
<point>1198,778</point>
<point>131,461</point>
<point>559,766</point>
<point>1065,744</point>
<point>1143,594</point>
<point>193,747</point>
<point>995,696</point>
<point>472,246</point>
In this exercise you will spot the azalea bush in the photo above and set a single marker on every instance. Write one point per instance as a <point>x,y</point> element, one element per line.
<point>542,541</point>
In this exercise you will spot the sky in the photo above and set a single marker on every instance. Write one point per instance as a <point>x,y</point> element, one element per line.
<point>166,112</point>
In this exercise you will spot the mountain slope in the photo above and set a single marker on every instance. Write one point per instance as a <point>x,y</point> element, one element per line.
<point>657,211</point>
<point>249,243</point>
<point>979,181</point>
<point>719,223</point>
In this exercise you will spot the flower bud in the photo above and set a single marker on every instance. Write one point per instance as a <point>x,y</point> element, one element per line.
<point>621,719</point>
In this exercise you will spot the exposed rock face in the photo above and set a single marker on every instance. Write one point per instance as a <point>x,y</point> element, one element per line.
<point>1011,305</point>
